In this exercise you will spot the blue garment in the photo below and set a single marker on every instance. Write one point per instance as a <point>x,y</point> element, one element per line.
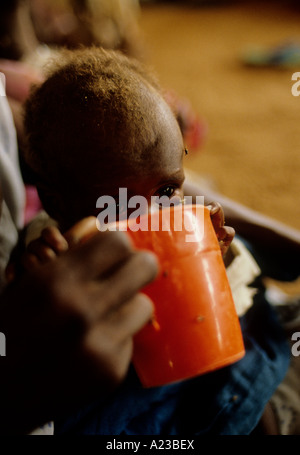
<point>274,262</point>
<point>229,401</point>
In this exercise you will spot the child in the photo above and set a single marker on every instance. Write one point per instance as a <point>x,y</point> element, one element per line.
<point>99,123</point>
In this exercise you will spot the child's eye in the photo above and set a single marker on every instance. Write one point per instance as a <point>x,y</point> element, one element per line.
<point>168,194</point>
<point>166,191</point>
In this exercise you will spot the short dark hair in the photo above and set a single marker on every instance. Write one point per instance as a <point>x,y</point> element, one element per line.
<point>89,93</point>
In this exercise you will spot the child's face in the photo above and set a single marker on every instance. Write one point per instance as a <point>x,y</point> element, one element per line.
<point>154,168</point>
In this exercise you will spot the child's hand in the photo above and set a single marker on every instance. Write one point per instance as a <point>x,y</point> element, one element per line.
<point>225,234</point>
<point>40,251</point>
<point>48,246</point>
<point>52,242</point>
<point>44,249</point>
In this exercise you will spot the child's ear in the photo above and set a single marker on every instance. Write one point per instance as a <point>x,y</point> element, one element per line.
<point>51,200</point>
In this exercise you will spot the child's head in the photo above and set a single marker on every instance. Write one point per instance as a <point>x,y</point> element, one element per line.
<point>99,123</point>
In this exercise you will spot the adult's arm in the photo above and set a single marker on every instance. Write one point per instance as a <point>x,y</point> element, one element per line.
<point>249,223</point>
<point>275,245</point>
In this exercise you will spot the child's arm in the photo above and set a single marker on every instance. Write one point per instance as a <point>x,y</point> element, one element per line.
<point>274,245</point>
<point>250,224</point>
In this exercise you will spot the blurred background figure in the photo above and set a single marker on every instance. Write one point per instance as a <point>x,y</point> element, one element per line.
<point>29,27</point>
<point>112,24</point>
<point>17,36</point>
<point>108,23</point>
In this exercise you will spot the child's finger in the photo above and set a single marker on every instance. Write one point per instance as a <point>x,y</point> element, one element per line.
<point>216,214</point>
<point>54,238</point>
<point>225,232</point>
<point>42,251</point>
<point>225,236</point>
<point>30,261</point>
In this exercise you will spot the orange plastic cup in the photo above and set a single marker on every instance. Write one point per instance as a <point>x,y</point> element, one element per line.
<point>196,328</point>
